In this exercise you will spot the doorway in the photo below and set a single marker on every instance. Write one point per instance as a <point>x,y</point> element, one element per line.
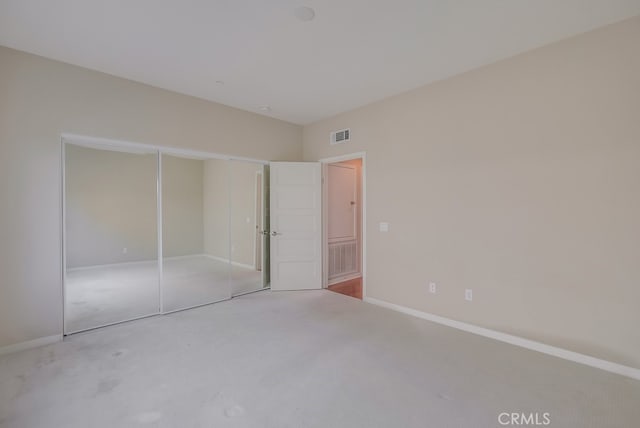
<point>298,214</point>
<point>343,224</point>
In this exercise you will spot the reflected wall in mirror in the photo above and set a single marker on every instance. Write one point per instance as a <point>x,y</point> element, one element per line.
<point>111,269</point>
<point>195,218</point>
<point>248,221</point>
<point>213,214</point>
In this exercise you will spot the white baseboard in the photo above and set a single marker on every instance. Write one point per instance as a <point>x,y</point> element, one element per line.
<point>344,278</point>
<point>22,346</point>
<point>108,265</point>
<point>515,340</point>
<point>155,261</point>
<point>223,260</point>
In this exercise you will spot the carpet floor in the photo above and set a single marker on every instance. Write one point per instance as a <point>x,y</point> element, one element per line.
<point>102,295</point>
<point>303,359</point>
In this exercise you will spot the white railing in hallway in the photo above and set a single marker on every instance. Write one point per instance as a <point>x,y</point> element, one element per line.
<point>343,259</point>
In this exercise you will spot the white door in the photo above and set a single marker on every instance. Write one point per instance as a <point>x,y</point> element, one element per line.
<point>343,222</point>
<point>296,226</point>
<point>343,197</point>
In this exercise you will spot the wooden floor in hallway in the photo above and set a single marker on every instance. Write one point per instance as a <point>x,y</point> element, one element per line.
<point>351,287</point>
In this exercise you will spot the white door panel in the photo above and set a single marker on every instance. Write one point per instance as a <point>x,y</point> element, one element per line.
<point>297,223</point>
<point>343,188</point>
<point>296,220</point>
<point>292,249</point>
<point>295,198</point>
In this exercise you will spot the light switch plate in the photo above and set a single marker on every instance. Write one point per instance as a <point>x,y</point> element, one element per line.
<point>384,227</point>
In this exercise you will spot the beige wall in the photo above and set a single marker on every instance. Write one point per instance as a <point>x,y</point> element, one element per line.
<point>216,208</point>
<point>43,98</point>
<point>182,206</point>
<point>243,211</point>
<point>519,180</point>
<point>110,206</point>
<point>229,200</point>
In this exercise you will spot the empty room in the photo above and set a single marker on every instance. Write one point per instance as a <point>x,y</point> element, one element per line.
<point>320,214</point>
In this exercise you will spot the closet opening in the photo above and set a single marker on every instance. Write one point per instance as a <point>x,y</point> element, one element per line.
<point>151,230</point>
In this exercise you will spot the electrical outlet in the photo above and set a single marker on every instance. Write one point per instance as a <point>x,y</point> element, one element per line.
<point>384,227</point>
<point>468,294</point>
<point>125,250</point>
<point>432,287</point>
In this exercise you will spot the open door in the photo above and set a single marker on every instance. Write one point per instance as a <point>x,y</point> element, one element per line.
<point>296,226</point>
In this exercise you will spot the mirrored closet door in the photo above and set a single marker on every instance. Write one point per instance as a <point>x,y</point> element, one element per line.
<point>111,247</point>
<point>149,231</point>
<point>249,227</point>
<point>195,231</point>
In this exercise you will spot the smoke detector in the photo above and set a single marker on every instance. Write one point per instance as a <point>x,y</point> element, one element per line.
<point>304,13</point>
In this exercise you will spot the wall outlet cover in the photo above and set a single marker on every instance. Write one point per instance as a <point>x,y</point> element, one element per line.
<point>432,287</point>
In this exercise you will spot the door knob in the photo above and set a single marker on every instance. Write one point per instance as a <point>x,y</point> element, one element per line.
<point>274,233</point>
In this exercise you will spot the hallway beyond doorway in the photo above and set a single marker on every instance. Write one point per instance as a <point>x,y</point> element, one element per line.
<point>351,287</point>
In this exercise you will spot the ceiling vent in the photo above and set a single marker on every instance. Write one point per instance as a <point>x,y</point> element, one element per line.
<point>340,137</point>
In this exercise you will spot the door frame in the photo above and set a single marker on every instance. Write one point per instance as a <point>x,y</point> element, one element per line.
<point>259,217</point>
<point>325,230</point>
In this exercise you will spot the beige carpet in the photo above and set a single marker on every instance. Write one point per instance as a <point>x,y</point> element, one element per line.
<point>306,359</point>
<point>106,294</point>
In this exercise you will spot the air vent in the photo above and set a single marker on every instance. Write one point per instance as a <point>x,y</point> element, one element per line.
<point>340,137</point>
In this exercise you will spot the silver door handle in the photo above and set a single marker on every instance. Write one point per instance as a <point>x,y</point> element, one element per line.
<point>274,233</point>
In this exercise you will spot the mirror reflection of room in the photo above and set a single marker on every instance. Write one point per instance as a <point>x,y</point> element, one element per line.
<point>212,219</point>
<point>111,271</point>
<point>195,237</point>
<point>247,225</point>
<point>213,247</point>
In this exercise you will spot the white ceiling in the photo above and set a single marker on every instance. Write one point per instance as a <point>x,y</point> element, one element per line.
<point>354,51</point>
